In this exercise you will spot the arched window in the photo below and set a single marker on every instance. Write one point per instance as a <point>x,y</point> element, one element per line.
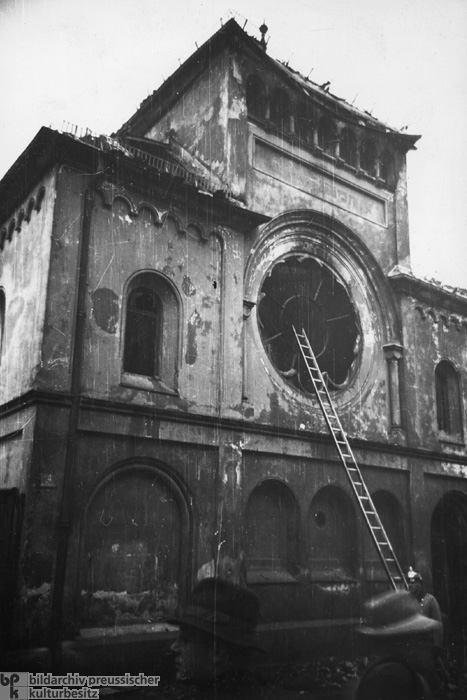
<point>348,148</point>
<point>271,533</point>
<point>304,123</point>
<point>386,168</point>
<point>448,400</point>
<point>280,110</point>
<point>150,347</point>
<point>2,321</point>
<point>133,535</point>
<point>327,135</point>
<point>449,556</point>
<point>368,157</point>
<point>332,536</point>
<point>392,517</point>
<point>142,332</point>
<point>255,97</point>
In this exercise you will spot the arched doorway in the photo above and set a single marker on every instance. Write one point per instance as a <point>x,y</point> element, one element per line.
<point>134,531</point>
<point>449,556</point>
<point>271,518</point>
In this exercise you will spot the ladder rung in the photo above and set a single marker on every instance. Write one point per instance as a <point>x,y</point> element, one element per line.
<point>348,460</point>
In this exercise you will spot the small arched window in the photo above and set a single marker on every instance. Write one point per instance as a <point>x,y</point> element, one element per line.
<point>255,97</point>
<point>386,168</point>
<point>271,533</point>
<point>448,400</point>
<point>304,123</point>
<point>327,135</point>
<point>368,157</point>
<point>150,345</point>
<point>332,536</point>
<point>348,148</point>
<point>280,110</point>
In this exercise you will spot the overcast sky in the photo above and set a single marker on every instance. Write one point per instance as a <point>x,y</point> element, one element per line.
<point>92,62</point>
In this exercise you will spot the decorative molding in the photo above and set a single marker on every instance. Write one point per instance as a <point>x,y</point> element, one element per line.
<point>455,320</point>
<point>111,192</point>
<point>17,221</point>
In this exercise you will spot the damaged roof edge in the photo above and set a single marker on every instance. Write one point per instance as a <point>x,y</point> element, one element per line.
<point>50,147</point>
<point>161,100</point>
<point>430,291</point>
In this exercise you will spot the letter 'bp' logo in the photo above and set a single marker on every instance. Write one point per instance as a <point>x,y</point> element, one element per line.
<point>13,686</point>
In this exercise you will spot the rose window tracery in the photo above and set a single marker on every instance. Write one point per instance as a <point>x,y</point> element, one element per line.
<point>302,291</point>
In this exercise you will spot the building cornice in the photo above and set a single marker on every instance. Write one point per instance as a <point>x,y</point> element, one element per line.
<point>88,404</point>
<point>430,294</point>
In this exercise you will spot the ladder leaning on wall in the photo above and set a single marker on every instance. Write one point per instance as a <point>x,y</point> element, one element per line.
<point>375,526</point>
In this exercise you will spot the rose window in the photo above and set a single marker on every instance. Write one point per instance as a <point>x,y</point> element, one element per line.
<point>301,291</point>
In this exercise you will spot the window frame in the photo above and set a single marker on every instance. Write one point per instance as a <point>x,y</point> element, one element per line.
<point>337,513</point>
<point>255,97</point>
<point>279,569</point>
<point>165,377</point>
<point>448,400</point>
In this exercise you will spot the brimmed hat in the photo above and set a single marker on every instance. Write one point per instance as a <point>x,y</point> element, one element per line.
<point>393,613</point>
<point>224,610</point>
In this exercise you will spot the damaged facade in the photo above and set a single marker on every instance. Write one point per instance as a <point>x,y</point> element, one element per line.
<point>156,421</point>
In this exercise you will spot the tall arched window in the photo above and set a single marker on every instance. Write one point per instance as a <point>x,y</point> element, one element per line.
<point>348,149</point>
<point>449,556</point>
<point>304,123</point>
<point>132,549</point>
<point>332,536</point>
<point>255,97</point>
<point>142,332</point>
<point>150,344</point>
<point>368,157</point>
<point>386,168</point>
<point>280,110</point>
<point>327,135</point>
<point>2,321</point>
<point>448,400</point>
<point>271,533</point>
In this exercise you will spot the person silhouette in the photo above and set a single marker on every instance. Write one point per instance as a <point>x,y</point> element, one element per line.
<point>217,632</point>
<point>402,639</point>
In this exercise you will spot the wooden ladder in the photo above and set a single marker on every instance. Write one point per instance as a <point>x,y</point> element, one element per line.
<point>375,526</point>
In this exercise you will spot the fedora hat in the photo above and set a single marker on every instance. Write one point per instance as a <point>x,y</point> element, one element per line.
<point>224,610</point>
<point>393,613</point>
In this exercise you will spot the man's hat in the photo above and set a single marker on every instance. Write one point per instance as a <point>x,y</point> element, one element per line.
<point>224,610</point>
<point>393,613</point>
